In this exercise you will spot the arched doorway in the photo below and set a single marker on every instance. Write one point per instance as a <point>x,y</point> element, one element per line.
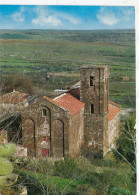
<point>58,138</point>
<point>28,139</point>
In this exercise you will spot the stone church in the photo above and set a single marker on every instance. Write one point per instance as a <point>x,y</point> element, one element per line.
<point>79,121</point>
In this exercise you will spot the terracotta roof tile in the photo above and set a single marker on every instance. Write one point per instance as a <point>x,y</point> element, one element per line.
<point>113,110</point>
<point>14,97</point>
<point>51,100</point>
<point>70,103</point>
<point>115,104</point>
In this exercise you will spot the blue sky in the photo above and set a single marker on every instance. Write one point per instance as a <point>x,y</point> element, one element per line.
<point>66,17</point>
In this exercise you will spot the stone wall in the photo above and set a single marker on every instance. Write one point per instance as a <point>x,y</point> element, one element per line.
<point>113,131</point>
<point>97,94</point>
<point>94,93</point>
<point>94,129</point>
<point>47,129</point>
<point>76,134</point>
<point>46,138</point>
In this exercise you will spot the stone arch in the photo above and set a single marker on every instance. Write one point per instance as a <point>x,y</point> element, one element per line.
<point>45,119</point>
<point>44,131</point>
<point>28,136</point>
<point>45,108</point>
<point>58,134</point>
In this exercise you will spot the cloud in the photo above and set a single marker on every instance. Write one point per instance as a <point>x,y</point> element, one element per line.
<point>46,16</point>
<point>107,17</point>
<point>18,16</point>
<point>123,17</point>
<point>127,14</point>
<point>49,20</point>
<point>70,19</point>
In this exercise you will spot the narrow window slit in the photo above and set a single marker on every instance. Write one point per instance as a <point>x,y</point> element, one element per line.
<point>92,108</point>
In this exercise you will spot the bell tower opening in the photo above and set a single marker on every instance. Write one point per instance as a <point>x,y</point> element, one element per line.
<point>92,81</point>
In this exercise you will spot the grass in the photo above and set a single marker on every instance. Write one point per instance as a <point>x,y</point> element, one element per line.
<point>53,183</point>
<point>32,52</point>
<point>97,175</point>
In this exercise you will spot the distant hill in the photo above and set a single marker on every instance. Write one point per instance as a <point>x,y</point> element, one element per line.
<point>37,53</point>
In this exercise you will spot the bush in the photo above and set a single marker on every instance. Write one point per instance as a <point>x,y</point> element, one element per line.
<point>67,168</point>
<point>92,178</point>
<point>126,143</point>
<point>118,191</point>
<point>21,83</point>
<point>34,165</point>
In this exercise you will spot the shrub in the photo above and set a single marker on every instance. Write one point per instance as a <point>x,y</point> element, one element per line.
<point>21,83</point>
<point>118,191</point>
<point>67,168</point>
<point>34,165</point>
<point>126,143</point>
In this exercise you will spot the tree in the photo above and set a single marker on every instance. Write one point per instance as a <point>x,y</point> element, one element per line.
<point>13,82</point>
<point>126,143</point>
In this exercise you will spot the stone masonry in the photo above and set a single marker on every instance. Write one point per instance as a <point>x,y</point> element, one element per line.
<point>94,92</point>
<point>80,121</point>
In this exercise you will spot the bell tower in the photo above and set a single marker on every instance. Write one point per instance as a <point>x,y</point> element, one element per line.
<point>94,92</point>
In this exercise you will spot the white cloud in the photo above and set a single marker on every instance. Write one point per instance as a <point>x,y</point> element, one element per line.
<point>18,16</point>
<point>52,18</point>
<point>49,20</point>
<point>123,17</point>
<point>127,13</point>
<point>69,18</point>
<point>107,17</point>
<point>44,18</point>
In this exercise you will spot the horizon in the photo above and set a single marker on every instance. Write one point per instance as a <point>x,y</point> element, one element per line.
<point>133,29</point>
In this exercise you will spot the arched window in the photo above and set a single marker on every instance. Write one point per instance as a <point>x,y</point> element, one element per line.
<point>44,112</point>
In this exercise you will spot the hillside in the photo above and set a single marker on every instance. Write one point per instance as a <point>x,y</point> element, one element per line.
<point>52,58</point>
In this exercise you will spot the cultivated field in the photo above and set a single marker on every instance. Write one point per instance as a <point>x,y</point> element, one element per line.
<point>52,59</point>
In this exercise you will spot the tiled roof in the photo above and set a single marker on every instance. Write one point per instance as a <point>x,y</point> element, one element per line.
<point>68,102</point>
<point>14,97</point>
<point>113,110</point>
<point>50,100</point>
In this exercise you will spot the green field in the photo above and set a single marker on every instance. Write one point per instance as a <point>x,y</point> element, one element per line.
<point>40,54</point>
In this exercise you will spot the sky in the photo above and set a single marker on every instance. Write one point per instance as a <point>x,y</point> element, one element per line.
<point>66,17</point>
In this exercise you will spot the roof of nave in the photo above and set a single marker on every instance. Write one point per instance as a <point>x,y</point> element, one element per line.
<point>69,102</point>
<point>16,97</point>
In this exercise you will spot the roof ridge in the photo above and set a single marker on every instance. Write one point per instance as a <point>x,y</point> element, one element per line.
<point>61,95</point>
<point>115,104</point>
<point>54,102</point>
